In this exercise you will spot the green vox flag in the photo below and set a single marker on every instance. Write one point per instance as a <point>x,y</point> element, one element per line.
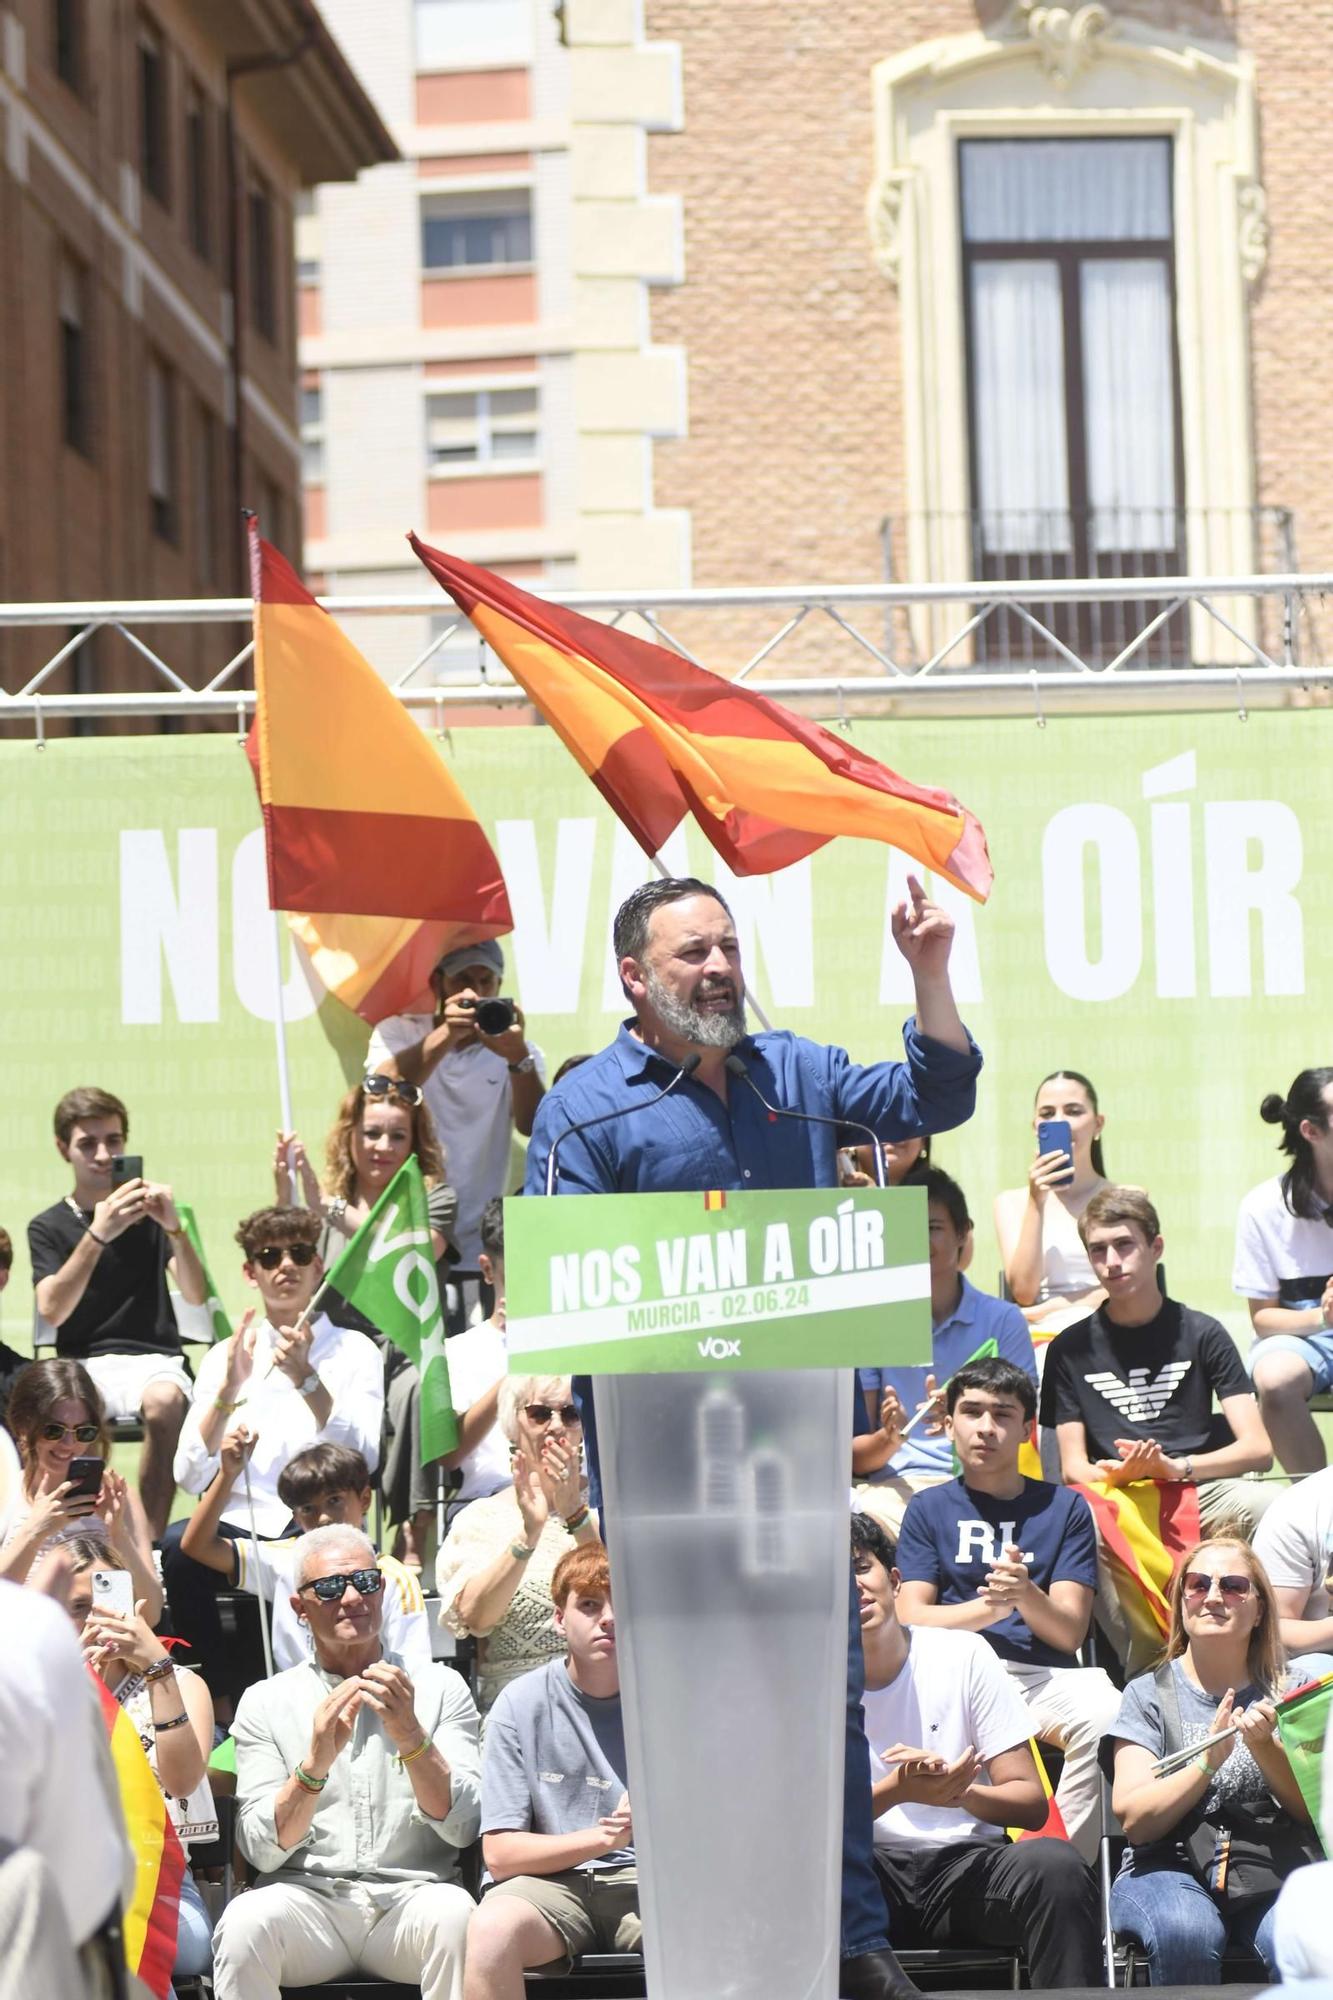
<point>387,1272</point>
<point>1302,1720</point>
<point>217,1317</point>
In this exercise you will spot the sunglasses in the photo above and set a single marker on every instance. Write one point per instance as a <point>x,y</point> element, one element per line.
<point>332,1589</point>
<point>81,1433</point>
<point>1196,1584</point>
<point>272,1254</point>
<point>542,1413</point>
<point>391,1086</point>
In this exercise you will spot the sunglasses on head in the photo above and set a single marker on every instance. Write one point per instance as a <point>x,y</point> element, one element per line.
<point>391,1086</point>
<point>332,1589</point>
<point>1196,1584</point>
<point>81,1433</point>
<point>272,1254</point>
<point>542,1413</point>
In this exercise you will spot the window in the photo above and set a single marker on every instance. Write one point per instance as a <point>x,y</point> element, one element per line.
<point>198,172</point>
<point>74,387</point>
<point>67,42</point>
<point>205,461</point>
<point>162,450</point>
<point>263,281</point>
<point>153,112</point>
<point>450,32</point>
<point>312,434</point>
<point>483,427</point>
<point>459,231</point>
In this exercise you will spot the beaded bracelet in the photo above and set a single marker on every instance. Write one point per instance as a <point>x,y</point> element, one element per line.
<point>407,1756</point>
<point>577,1519</point>
<point>303,1777</point>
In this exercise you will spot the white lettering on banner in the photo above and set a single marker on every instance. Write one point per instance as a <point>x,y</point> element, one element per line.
<point>383,1244</point>
<point>1236,889</point>
<point>895,974</point>
<point>595,1278</point>
<point>414,1265</point>
<point>777,913</point>
<point>1110,834</point>
<point>548,955</point>
<point>176,922</point>
<point>630,867</point>
<point>253,943</point>
<point>719,1350</point>
<point>778,1261</point>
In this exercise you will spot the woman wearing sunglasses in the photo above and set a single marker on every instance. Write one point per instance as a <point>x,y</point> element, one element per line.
<point>495,1568</point>
<point>56,1414</point>
<point>380,1124</point>
<point>1211,1842</point>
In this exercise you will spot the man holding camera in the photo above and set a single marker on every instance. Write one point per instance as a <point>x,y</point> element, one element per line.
<point>480,1076</point>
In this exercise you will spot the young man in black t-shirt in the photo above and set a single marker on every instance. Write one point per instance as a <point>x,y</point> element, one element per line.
<point>1130,1389</point>
<point>100,1259</point>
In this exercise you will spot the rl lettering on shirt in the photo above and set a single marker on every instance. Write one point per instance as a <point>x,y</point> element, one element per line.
<point>977,1542</point>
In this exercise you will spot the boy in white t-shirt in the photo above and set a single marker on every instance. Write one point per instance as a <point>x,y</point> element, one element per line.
<point>951,1767</point>
<point>1294,1542</point>
<point>326,1486</point>
<point>1284,1270</point>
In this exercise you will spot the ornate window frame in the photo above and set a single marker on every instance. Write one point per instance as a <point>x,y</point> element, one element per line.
<point>1072,72</point>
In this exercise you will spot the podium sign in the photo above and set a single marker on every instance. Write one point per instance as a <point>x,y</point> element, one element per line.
<point>670,1284</point>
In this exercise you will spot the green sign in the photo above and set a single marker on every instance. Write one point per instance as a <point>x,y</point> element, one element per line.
<point>1159,921</point>
<point>674,1284</point>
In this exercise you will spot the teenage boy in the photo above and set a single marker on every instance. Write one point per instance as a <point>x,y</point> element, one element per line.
<point>1130,1389</point>
<point>556,1832</point>
<point>962,1320</point>
<point>327,1486</point>
<point>100,1260</point>
<point>951,1768</point>
<point>1294,1542</point>
<point>1016,1560</point>
<point>300,1382</point>
<point>478,1363</point>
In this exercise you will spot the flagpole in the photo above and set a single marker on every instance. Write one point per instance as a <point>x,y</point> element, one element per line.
<point>750,1000</point>
<point>280,1038</point>
<point>265,1609</point>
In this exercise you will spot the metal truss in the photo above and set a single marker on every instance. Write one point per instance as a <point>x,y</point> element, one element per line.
<point>852,648</point>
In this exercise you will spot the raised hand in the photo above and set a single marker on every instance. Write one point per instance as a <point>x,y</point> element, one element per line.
<point>1257,1724</point>
<point>291,1351</point>
<point>112,1635</point>
<point>240,1356</point>
<point>1046,1173</point>
<point>1223,1717</point>
<point>1007,1580</point>
<point>892,1416</point>
<point>923,932</point>
<point>235,1448</point>
<point>335,1719</point>
<point>532,1495</point>
<point>933,1426</point>
<point>562,1471</point>
<point>160,1205</point>
<point>388,1692</point>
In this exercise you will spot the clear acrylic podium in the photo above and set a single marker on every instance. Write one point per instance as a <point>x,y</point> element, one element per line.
<point>727,1499</point>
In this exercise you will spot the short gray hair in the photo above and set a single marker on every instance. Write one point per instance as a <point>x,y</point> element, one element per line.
<point>515,1391</point>
<point>319,1541</point>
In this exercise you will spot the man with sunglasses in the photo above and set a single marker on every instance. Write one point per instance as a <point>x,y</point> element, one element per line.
<point>359,1786</point>
<point>481,1077</point>
<point>294,1379</point>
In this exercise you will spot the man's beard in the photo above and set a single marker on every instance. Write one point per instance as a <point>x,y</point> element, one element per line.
<point>692,1024</point>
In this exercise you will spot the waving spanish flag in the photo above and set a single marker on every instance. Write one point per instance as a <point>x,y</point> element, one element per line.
<point>150,1922</point>
<point>372,848</point>
<point>660,737</point>
<point>1145,1527</point>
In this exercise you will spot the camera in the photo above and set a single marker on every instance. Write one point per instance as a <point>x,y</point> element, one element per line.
<point>493,1016</point>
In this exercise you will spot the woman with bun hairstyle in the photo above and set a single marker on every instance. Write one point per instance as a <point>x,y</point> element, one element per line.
<point>1045,1264</point>
<point>1284,1270</point>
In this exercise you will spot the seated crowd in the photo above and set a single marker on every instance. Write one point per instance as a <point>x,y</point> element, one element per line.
<point>366,1768</point>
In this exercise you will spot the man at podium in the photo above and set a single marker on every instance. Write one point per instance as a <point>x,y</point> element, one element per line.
<point>686,1098</point>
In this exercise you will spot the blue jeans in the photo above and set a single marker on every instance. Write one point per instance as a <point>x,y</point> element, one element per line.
<point>194,1939</point>
<point>1182,1929</point>
<point>863,1926</point>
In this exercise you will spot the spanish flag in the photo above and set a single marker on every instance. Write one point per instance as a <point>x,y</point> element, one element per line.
<point>369,839</point>
<point>661,737</point>
<point>1145,1528</point>
<point>1053,1826</point>
<point>150,1923</point>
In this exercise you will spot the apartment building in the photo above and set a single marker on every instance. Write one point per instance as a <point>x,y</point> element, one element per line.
<point>151,156</point>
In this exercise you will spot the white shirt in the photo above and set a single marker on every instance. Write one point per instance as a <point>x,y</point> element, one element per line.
<point>1294,1540</point>
<point>59,1792</point>
<point>478,1359</point>
<point>952,1695</point>
<point>350,1367</point>
<point>468,1095</point>
<point>404,1627</point>
<point>1273,1245</point>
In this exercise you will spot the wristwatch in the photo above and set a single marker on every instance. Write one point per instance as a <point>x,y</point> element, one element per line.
<point>310,1384</point>
<point>524,1068</point>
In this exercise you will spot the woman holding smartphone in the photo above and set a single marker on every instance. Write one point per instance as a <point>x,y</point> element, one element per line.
<point>56,1415</point>
<point>1045,1265</point>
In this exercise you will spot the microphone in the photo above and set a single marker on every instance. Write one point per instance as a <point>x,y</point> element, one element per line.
<point>687,1068</point>
<point>735,1067</point>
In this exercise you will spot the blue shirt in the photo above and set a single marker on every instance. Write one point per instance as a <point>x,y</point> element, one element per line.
<point>951,1536</point>
<point>976,1319</point>
<point>693,1140</point>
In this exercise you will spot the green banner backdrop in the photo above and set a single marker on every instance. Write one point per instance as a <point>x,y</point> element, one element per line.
<point>1156,922</point>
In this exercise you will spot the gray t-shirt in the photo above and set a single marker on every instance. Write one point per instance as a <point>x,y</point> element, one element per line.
<point>554,1760</point>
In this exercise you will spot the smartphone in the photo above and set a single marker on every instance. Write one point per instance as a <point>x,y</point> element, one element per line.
<point>126,1167</point>
<point>1054,1136</point>
<point>85,1477</point>
<point>113,1590</point>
